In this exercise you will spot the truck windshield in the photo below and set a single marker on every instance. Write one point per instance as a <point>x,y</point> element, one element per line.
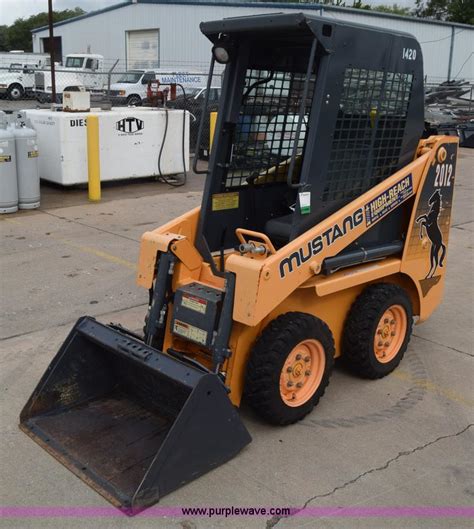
<point>74,62</point>
<point>130,77</point>
<point>194,92</point>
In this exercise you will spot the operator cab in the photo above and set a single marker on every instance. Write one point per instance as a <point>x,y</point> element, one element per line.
<point>313,113</point>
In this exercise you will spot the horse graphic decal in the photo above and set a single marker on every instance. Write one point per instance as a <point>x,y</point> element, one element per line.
<point>430,223</point>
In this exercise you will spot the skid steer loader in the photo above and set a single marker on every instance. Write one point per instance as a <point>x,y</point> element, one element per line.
<point>322,233</point>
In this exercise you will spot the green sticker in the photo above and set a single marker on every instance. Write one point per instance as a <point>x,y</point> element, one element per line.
<point>305,202</point>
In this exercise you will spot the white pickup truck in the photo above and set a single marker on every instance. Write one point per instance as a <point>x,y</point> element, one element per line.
<point>17,81</point>
<point>79,69</point>
<point>131,87</point>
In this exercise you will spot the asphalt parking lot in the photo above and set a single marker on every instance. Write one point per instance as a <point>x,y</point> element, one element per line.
<point>392,453</point>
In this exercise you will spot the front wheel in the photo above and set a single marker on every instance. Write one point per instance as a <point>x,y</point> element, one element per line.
<point>15,92</point>
<point>289,367</point>
<point>377,330</point>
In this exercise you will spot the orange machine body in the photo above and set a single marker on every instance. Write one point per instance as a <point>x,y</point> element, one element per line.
<point>290,279</point>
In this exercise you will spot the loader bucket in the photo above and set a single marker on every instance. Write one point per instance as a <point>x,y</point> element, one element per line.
<point>130,421</point>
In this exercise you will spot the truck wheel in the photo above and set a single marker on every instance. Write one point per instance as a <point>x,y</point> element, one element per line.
<point>15,92</point>
<point>377,330</point>
<point>289,367</point>
<point>134,100</point>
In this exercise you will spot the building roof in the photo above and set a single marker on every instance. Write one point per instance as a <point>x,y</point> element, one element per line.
<point>259,5</point>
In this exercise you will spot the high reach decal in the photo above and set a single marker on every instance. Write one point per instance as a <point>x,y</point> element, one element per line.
<point>375,210</point>
<point>320,242</point>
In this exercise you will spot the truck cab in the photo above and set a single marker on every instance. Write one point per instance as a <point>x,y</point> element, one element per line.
<point>79,69</point>
<point>17,81</point>
<point>131,87</point>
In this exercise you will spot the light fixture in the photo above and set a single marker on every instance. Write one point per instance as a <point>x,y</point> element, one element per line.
<point>221,54</point>
<point>223,50</point>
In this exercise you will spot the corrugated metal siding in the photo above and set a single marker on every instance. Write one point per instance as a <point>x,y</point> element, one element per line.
<point>183,45</point>
<point>434,39</point>
<point>463,55</point>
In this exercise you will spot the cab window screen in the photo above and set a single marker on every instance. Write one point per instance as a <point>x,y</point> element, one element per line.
<point>369,131</point>
<point>267,127</point>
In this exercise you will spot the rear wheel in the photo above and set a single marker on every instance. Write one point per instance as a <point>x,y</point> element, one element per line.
<point>15,92</point>
<point>377,330</point>
<point>289,367</point>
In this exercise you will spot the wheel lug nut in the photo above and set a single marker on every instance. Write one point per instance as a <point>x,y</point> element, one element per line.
<point>380,344</point>
<point>289,369</point>
<point>290,384</point>
<point>307,358</point>
<point>298,357</point>
<point>386,344</point>
<point>385,320</point>
<point>392,334</point>
<point>307,372</point>
<point>392,322</point>
<point>299,385</point>
<point>379,331</point>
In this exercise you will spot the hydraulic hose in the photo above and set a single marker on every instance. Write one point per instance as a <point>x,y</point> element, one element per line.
<point>161,176</point>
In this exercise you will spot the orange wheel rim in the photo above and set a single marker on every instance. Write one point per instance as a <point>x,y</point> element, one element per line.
<point>390,333</point>
<point>302,372</point>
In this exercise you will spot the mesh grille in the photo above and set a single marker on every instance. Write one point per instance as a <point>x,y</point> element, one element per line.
<point>267,128</point>
<point>369,131</point>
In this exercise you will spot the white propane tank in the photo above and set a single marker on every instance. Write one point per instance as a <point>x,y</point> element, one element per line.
<point>8,182</point>
<point>26,148</point>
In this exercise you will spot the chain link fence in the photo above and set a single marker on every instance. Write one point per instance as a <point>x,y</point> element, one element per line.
<point>27,87</point>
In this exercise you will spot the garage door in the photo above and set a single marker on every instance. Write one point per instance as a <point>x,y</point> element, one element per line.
<point>143,51</point>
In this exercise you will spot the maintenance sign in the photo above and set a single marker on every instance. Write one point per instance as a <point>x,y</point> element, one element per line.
<point>388,200</point>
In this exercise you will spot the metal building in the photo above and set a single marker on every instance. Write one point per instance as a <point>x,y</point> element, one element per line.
<point>165,34</point>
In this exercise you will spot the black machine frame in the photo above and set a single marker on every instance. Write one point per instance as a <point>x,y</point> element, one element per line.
<point>360,117</point>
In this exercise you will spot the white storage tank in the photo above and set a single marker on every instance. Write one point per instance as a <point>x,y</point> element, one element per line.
<point>26,148</point>
<point>8,181</point>
<point>130,140</point>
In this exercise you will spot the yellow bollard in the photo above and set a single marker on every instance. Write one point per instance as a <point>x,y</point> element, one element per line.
<point>212,128</point>
<point>93,159</point>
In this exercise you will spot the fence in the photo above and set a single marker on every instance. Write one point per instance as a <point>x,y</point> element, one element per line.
<point>30,88</point>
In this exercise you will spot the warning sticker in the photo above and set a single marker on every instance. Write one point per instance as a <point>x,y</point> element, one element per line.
<point>32,154</point>
<point>388,200</point>
<point>5,158</point>
<point>190,332</point>
<point>193,303</point>
<point>221,201</point>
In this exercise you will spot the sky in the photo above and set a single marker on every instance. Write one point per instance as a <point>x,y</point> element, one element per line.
<point>10,10</point>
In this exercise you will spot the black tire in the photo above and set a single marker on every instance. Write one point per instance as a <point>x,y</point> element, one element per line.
<point>268,356</point>
<point>134,100</point>
<point>358,346</point>
<point>15,92</point>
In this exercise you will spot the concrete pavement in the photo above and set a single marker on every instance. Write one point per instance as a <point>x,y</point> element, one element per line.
<point>402,441</point>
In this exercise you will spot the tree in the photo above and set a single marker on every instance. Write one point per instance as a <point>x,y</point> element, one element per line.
<point>3,38</point>
<point>18,35</point>
<point>395,9</point>
<point>451,10</point>
<point>461,11</point>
